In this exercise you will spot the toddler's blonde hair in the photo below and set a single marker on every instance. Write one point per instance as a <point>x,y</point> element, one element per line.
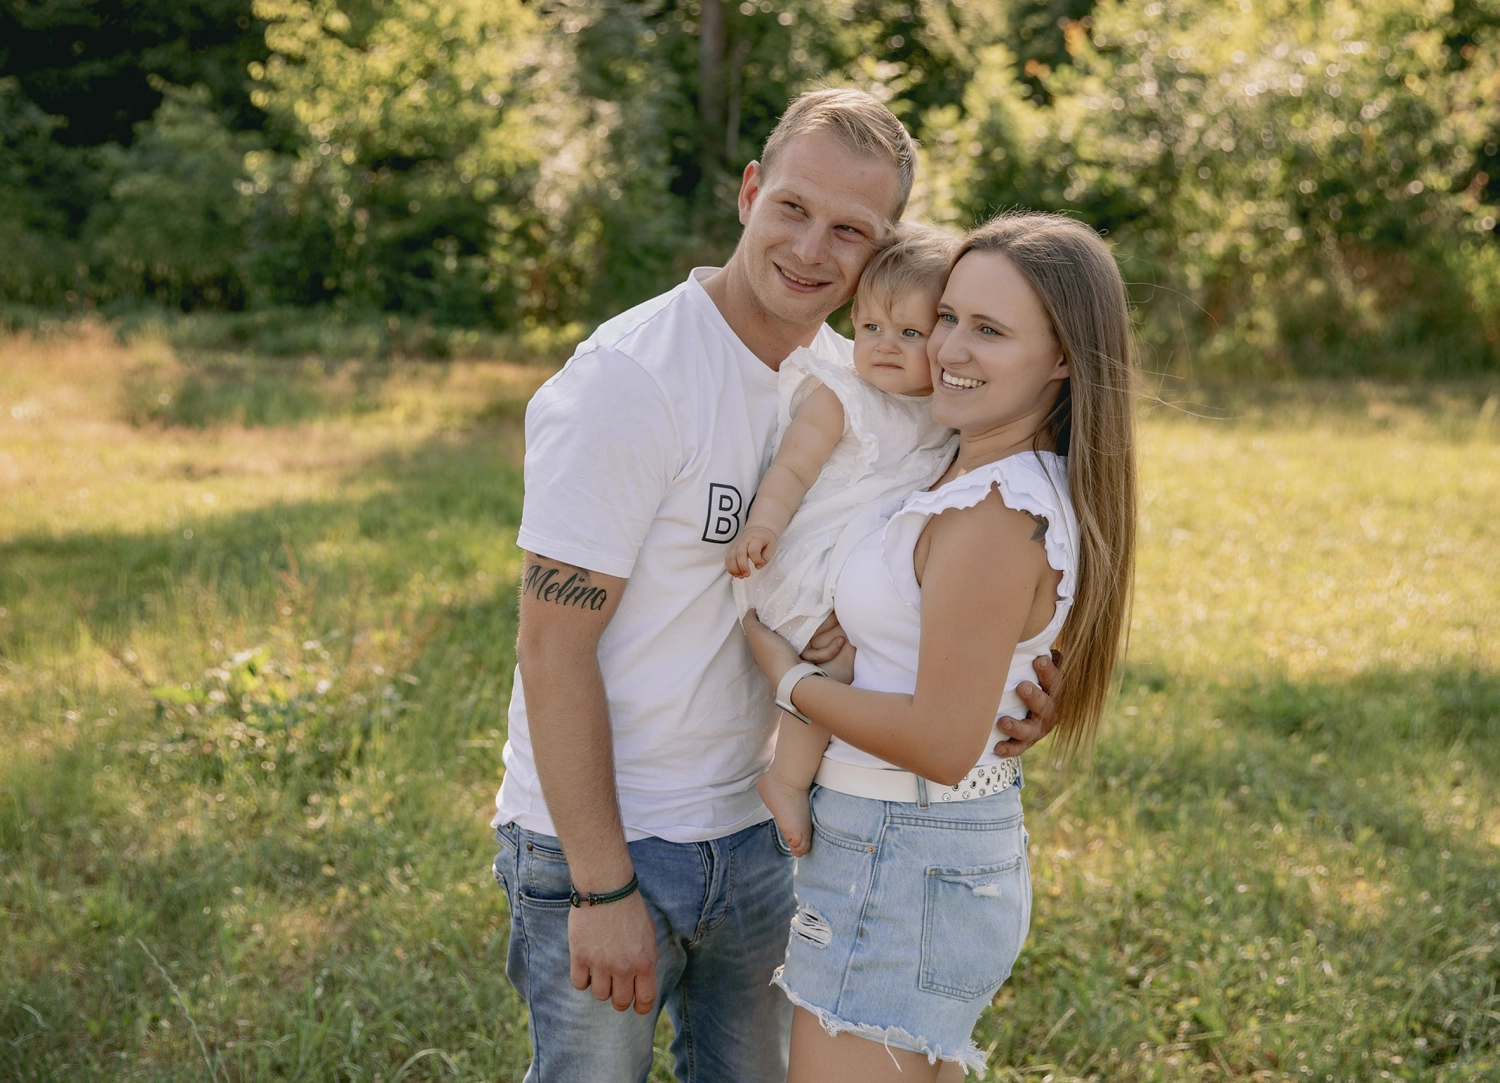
<point>916,261</point>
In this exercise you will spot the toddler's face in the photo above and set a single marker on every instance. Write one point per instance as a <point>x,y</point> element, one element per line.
<point>890,343</point>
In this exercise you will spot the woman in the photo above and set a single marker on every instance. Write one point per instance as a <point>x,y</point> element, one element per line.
<point>916,897</point>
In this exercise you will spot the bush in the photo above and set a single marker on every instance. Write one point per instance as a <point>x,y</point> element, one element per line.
<point>173,229</point>
<point>444,162</point>
<point>1290,187</point>
<point>41,257</point>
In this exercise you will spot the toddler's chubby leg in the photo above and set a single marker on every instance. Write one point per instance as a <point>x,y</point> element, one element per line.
<point>784,786</point>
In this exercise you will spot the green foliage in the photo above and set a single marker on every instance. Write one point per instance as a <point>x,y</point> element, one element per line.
<point>34,232</point>
<point>446,162</point>
<point>267,711</point>
<point>88,65</point>
<point>1293,188</point>
<point>89,62</point>
<point>173,228</point>
<point>1289,186</point>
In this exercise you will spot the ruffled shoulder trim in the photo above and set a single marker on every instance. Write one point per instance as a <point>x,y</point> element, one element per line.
<point>795,382</point>
<point>1035,483</point>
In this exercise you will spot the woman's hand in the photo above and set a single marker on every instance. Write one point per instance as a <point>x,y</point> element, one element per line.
<point>772,653</point>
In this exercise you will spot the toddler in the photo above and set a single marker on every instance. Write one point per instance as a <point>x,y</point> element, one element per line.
<point>854,438</point>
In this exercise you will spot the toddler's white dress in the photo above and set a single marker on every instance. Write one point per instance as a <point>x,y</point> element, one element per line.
<point>890,448</point>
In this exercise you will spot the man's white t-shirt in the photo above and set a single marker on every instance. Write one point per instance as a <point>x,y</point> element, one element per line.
<point>642,456</point>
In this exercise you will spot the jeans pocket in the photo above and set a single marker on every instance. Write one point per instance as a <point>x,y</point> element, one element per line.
<point>545,879</point>
<point>776,840</point>
<point>843,820</point>
<point>505,857</point>
<point>974,921</point>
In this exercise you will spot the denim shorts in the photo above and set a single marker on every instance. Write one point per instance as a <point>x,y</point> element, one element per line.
<point>909,919</point>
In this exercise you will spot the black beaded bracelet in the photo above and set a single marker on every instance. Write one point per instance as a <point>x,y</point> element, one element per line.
<point>575,899</point>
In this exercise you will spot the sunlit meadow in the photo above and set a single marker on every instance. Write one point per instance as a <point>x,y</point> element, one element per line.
<point>256,634</point>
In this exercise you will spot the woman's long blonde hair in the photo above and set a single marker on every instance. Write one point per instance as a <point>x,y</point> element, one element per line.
<point>1093,424</point>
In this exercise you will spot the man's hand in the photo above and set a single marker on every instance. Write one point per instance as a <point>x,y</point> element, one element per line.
<point>826,642</point>
<point>1041,714</point>
<point>752,549</point>
<point>831,649</point>
<point>612,948</point>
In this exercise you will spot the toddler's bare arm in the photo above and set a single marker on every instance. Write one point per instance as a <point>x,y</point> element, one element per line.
<point>809,440</point>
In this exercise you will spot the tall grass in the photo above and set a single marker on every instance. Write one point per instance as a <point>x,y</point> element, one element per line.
<point>253,673</point>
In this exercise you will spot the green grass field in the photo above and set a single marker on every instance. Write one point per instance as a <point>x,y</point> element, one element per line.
<point>256,635</point>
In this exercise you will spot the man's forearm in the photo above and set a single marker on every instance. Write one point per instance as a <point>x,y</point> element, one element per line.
<point>573,749</point>
<point>564,612</point>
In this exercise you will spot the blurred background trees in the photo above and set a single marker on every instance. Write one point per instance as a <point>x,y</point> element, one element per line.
<point>1291,186</point>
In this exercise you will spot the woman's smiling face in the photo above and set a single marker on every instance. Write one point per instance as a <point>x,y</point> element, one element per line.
<point>995,359</point>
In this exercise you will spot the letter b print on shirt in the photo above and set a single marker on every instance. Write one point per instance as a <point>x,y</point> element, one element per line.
<point>724,506</point>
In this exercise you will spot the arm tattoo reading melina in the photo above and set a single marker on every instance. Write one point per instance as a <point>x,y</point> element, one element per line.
<point>548,585</point>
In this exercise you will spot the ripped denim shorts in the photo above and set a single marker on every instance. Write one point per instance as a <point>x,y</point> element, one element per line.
<point>909,919</point>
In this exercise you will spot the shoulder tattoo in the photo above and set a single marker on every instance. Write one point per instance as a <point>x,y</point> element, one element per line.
<point>1040,533</point>
<point>546,584</point>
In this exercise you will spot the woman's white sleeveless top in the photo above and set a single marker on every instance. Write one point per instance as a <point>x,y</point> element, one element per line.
<point>880,601</point>
<point>890,446</point>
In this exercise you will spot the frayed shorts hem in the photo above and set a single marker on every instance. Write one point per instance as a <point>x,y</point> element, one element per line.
<point>969,1056</point>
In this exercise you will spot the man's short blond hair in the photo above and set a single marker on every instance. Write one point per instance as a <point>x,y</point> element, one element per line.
<point>916,261</point>
<point>857,120</point>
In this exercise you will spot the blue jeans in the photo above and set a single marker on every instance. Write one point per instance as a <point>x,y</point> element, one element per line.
<point>722,910</point>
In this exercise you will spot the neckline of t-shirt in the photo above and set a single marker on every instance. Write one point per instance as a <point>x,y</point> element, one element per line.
<point>754,367</point>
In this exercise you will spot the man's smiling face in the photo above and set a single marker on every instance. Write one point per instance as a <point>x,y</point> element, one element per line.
<point>811,223</point>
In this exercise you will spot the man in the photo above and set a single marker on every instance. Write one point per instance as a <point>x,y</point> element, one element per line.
<point>634,849</point>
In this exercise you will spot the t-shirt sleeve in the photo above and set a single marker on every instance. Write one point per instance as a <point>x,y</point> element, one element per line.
<point>601,450</point>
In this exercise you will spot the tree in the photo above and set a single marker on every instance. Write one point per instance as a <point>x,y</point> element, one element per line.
<point>1282,180</point>
<point>445,160</point>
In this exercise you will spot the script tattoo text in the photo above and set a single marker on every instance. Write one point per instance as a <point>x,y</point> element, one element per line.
<point>547,585</point>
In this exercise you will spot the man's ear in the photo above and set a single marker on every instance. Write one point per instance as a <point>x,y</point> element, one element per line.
<point>750,184</point>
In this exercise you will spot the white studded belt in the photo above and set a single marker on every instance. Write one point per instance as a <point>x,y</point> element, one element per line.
<point>893,784</point>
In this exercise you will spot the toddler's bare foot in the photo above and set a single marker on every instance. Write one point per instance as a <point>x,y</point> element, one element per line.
<point>789,803</point>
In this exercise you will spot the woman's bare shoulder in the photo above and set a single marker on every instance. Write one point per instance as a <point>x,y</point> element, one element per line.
<point>976,535</point>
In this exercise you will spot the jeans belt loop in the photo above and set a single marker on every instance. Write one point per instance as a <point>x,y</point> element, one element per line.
<point>921,792</point>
